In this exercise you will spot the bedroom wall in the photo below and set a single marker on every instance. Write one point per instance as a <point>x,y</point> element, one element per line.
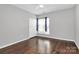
<point>14,24</point>
<point>61,24</point>
<point>77,25</point>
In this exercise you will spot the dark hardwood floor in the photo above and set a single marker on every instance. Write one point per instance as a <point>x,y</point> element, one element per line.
<point>41,45</point>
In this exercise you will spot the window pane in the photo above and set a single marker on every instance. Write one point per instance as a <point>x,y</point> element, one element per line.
<point>41,24</point>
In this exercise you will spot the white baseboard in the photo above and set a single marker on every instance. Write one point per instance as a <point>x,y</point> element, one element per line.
<point>33,36</point>
<point>61,39</point>
<point>15,42</point>
<point>56,37</point>
<point>76,44</point>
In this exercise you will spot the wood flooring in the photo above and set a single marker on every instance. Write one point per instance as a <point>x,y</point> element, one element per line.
<point>41,45</point>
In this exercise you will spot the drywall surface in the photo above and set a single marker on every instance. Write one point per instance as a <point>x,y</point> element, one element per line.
<point>14,24</point>
<point>61,24</point>
<point>77,25</point>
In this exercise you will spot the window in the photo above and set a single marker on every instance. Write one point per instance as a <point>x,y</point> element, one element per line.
<point>42,25</point>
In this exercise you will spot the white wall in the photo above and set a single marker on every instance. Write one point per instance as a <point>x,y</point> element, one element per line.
<point>77,25</point>
<point>62,24</point>
<point>14,24</point>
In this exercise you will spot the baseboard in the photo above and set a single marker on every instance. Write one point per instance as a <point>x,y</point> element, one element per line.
<point>76,44</point>
<point>62,39</point>
<point>57,38</point>
<point>33,36</point>
<point>15,42</point>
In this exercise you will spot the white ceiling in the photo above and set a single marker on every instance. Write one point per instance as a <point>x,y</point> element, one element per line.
<point>35,9</point>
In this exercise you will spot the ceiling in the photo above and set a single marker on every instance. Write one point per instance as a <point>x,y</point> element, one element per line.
<point>37,10</point>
